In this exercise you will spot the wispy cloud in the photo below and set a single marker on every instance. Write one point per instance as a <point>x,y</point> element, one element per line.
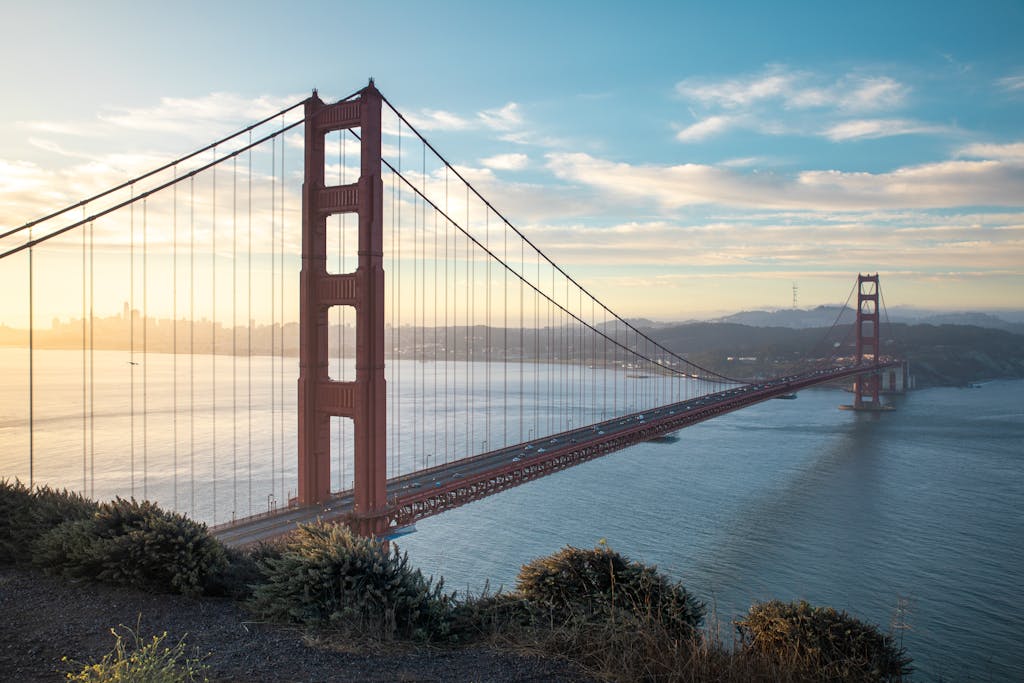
<point>878,128</point>
<point>505,118</point>
<point>1013,83</point>
<point>1011,152</point>
<point>784,101</point>
<point>507,162</point>
<point>706,128</point>
<point>797,90</point>
<point>186,115</point>
<point>943,184</point>
<point>438,119</point>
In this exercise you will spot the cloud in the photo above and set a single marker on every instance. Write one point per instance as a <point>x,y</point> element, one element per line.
<point>1012,152</point>
<point>507,162</point>
<point>705,128</point>
<point>797,90</point>
<point>870,94</point>
<point>1012,84</point>
<point>865,129</point>
<point>188,115</point>
<point>504,119</point>
<point>437,119</point>
<point>738,93</point>
<point>935,185</point>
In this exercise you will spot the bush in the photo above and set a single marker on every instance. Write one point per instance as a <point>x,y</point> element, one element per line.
<point>26,514</point>
<point>827,644</point>
<point>328,576</point>
<point>601,585</point>
<point>152,662</point>
<point>135,544</point>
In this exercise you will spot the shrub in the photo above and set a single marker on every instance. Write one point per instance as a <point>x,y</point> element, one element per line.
<point>26,514</point>
<point>135,544</point>
<point>601,584</point>
<point>328,576</point>
<point>152,662</point>
<point>830,645</point>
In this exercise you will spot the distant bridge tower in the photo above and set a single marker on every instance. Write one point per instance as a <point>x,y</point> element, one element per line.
<point>867,385</point>
<point>363,400</point>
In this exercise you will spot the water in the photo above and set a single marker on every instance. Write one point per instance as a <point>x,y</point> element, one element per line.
<point>920,508</point>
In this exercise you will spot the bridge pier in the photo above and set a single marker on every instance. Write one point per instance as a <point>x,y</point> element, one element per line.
<point>364,399</point>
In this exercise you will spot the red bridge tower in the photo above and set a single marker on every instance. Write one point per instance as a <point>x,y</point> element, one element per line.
<point>867,385</point>
<point>363,400</point>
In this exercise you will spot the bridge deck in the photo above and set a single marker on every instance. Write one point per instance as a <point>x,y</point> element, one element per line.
<point>431,491</point>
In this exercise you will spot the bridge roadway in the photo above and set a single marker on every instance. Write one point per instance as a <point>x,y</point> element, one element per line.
<point>433,490</point>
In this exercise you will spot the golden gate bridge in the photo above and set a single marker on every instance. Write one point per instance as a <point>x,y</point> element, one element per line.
<point>442,356</point>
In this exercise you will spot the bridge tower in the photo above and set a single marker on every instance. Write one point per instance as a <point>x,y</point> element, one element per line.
<point>867,385</point>
<point>320,398</point>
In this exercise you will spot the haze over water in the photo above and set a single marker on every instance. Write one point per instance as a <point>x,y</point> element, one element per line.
<point>787,499</point>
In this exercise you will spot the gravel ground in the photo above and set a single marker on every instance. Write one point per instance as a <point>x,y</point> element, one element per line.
<point>43,619</point>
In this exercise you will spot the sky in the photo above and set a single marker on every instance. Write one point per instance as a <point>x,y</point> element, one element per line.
<point>680,159</point>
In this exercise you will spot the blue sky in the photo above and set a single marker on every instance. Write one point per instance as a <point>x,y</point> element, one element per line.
<point>681,158</point>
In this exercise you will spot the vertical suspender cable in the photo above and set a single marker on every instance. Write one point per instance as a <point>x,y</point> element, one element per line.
<point>273,320</point>
<point>522,340</point>
<point>487,326</point>
<point>504,345</point>
<point>249,318</point>
<point>398,342</point>
<point>174,334</point>
<point>396,355</point>
<point>31,369</point>
<point>280,293</point>
<point>471,330</point>
<point>234,337</point>
<point>434,365</point>
<point>192,344</point>
<point>145,349</point>
<point>213,335</point>
<point>131,336</point>
<point>85,416</point>
<point>447,350</point>
<point>415,321</point>
<point>92,364</point>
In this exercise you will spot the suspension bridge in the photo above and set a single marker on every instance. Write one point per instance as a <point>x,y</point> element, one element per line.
<point>257,336</point>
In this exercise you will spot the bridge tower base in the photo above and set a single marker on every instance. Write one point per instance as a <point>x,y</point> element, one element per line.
<point>320,398</point>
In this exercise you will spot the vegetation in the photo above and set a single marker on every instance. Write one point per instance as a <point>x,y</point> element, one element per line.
<point>327,576</point>
<point>135,544</point>
<point>618,619</point>
<point>26,514</point>
<point>822,642</point>
<point>139,660</point>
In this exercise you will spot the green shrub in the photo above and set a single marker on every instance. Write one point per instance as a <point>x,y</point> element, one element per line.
<point>328,576</point>
<point>135,544</point>
<point>141,661</point>
<point>600,585</point>
<point>829,644</point>
<point>26,514</point>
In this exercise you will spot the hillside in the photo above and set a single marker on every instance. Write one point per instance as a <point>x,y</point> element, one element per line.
<point>939,355</point>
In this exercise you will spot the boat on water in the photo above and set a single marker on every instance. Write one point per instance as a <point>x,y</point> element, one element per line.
<point>787,397</point>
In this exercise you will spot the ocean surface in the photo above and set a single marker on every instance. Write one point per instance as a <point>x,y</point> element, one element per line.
<point>912,519</point>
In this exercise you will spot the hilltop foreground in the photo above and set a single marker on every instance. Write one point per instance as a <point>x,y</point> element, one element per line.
<point>46,618</point>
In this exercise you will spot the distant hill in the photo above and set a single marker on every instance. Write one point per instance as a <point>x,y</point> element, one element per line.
<point>825,316</point>
<point>939,355</point>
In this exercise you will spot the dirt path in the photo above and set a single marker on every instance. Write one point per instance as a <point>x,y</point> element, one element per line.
<point>43,619</point>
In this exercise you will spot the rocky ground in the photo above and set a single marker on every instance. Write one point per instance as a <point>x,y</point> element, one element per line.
<point>44,619</point>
